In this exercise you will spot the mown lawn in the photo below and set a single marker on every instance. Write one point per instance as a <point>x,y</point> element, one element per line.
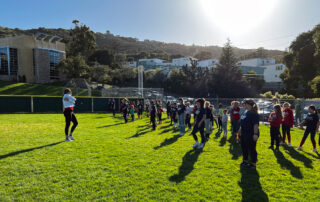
<point>117,162</point>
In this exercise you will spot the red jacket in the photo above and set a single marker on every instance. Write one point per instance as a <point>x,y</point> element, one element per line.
<point>275,119</point>
<point>287,117</point>
<point>235,113</point>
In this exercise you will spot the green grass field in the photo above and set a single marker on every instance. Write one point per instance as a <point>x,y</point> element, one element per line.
<point>117,162</point>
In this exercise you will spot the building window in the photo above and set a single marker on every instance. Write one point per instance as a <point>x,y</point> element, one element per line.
<point>278,68</point>
<point>8,55</point>
<point>54,57</point>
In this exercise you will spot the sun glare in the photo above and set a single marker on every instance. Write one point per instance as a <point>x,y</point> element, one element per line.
<point>239,16</point>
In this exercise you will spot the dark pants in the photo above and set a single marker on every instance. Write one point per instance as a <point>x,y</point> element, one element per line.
<point>188,119</point>
<point>248,146</point>
<point>132,117</point>
<point>275,135</point>
<point>201,130</point>
<point>286,132</point>
<point>69,115</point>
<point>125,116</point>
<point>220,123</point>
<point>309,131</point>
<point>114,112</point>
<point>153,121</point>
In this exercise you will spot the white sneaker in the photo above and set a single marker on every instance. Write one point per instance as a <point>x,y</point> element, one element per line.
<point>195,145</point>
<point>67,139</point>
<point>299,148</point>
<point>282,143</point>
<point>181,134</point>
<point>189,129</point>
<point>225,135</point>
<point>289,144</point>
<point>201,146</point>
<point>314,150</point>
<point>173,126</point>
<point>70,137</point>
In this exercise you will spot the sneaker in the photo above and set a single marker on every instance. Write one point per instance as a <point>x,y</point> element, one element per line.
<point>173,127</point>
<point>71,137</point>
<point>271,147</point>
<point>195,145</point>
<point>299,148</point>
<point>225,135</point>
<point>314,150</point>
<point>244,164</point>
<point>201,146</point>
<point>67,139</point>
<point>289,144</point>
<point>189,129</point>
<point>250,165</point>
<point>282,143</point>
<point>181,134</point>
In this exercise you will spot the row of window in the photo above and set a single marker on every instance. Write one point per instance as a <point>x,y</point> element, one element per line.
<point>8,60</point>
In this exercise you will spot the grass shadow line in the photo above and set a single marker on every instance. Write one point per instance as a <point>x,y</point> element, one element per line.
<point>188,161</point>
<point>167,142</point>
<point>286,164</point>
<point>234,149</point>
<point>298,156</point>
<point>28,150</point>
<point>106,126</point>
<point>138,134</point>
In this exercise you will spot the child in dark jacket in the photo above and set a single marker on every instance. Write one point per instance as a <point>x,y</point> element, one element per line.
<point>275,120</point>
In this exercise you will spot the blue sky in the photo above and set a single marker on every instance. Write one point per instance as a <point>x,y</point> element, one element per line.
<point>249,24</point>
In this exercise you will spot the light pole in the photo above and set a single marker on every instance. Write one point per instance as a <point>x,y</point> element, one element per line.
<point>140,79</point>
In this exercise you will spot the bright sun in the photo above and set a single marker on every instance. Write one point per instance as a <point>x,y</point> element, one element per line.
<point>239,16</point>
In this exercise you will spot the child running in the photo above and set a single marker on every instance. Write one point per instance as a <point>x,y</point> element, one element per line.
<point>275,120</point>
<point>153,114</point>
<point>199,124</point>
<point>159,111</point>
<point>224,120</point>
<point>287,123</point>
<point>68,105</point>
<point>312,123</point>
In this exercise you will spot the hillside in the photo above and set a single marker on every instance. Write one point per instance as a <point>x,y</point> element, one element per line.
<point>129,45</point>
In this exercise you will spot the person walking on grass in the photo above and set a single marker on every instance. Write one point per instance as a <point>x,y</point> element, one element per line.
<point>174,115</point>
<point>213,117</point>
<point>188,116</point>
<point>249,133</point>
<point>287,123</point>
<point>68,106</point>
<point>275,120</point>
<point>112,107</point>
<point>159,111</point>
<point>235,120</point>
<point>199,124</point>
<point>153,115</point>
<point>224,120</point>
<point>132,112</point>
<point>220,112</point>
<point>168,106</point>
<point>182,116</point>
<point>125,109</point>
<point>207,121</point>
<point>312,123</point>
<point>140,109</point>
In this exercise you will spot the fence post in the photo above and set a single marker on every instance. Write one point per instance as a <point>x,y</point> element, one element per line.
<point>92,106</point>
<point>31,99</point>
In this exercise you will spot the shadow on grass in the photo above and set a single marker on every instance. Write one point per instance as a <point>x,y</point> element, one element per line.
<point>188,161</point>
<point>223,141</point>
<point>251,187</point>
<point>28,150</point>
<point>234,149</point>
<point>106,126</point>
<point>139,133</point>
<point>218,134</point>
<point>317,156</point>
<point>298,156</point>
<point>168,130</point>
<point>167,142</point>
<point>286,164</point>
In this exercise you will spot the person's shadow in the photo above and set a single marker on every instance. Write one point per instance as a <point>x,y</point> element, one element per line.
<point>251,187</point>
<point>298,156</point>
<point>188,161</point>
<point>217,135</point>
<point>223,141</point>
<point>286,164</point>
<point>168,141</point>
<point>234,149</point>
<point>28,150</point>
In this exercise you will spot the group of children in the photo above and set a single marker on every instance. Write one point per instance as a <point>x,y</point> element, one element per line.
<point>283,117</point>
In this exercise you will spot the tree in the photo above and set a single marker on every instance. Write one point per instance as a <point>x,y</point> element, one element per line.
<point>82,41</point>
<point>100,73</point>
<point>203,55</point>
<point>257,82</point>
<point>315,85</point>
<point>103,57</point>
<point>74,67</point>
<point>226,80</point>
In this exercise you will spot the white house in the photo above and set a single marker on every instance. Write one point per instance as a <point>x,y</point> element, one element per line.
<point>179,62</point>
<point>132,63</point>
<point>272,72</point>
<point>256,62</point>
<point>210,63</point>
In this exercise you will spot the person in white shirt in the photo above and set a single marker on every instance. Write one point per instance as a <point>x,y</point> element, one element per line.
<point>68,106</point>
<point>224,120</point>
